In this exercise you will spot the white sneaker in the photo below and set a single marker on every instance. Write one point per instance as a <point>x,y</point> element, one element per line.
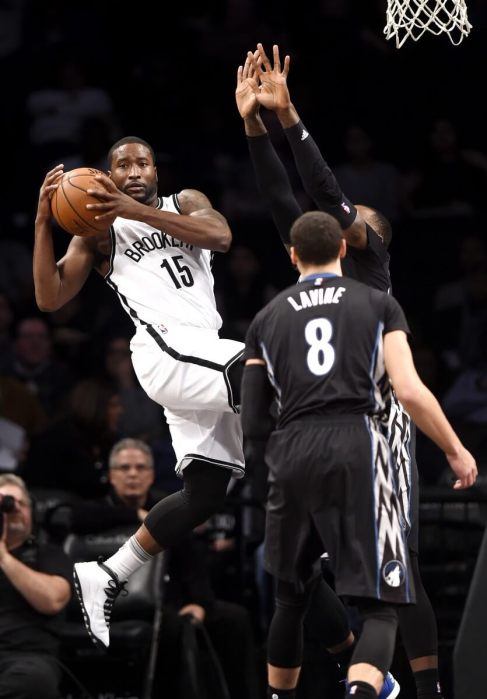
<point>97,588</point>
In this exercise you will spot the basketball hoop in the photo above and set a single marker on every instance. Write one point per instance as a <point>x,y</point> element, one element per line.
<point>412,18</point>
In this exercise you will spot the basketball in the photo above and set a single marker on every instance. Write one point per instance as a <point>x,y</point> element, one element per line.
<point>69,201</point>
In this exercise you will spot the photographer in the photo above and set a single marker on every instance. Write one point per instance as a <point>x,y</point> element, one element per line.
<point>34,588</point>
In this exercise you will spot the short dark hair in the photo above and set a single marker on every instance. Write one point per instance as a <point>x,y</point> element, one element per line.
<point>381,225</point>
<point>316,236</point>
<point>129,139</point>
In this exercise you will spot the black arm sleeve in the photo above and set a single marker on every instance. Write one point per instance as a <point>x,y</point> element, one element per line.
<point>318,179</point>
<point>274,185</point>
<point>257,396</point>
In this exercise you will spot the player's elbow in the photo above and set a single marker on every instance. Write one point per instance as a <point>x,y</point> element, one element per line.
<point>223,241</point>
<point>409,392</point>
<point>58,598</point>
<point>45,304</point>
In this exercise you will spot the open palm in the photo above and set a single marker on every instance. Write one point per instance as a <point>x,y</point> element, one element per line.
<point>247,89</point>
<point>273,93</point>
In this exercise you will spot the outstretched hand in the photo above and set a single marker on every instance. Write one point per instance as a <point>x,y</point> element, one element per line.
<point>247,87</point>
<point>112,202</point>
<point>273,91</point>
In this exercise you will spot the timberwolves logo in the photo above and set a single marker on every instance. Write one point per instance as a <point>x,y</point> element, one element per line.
<point>394,573</point>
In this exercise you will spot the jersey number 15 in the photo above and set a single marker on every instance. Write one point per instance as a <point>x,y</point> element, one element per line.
<point>180,274</point>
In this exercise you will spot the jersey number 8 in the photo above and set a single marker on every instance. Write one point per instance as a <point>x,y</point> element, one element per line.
<point>321,355</point>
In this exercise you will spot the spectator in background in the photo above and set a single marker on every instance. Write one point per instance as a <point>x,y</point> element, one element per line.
<point>451,180</point>
<point>246,290</point>
<point>141,417</point>
<point>375,183</point>
<point>460,308</point>
<point>57,111</point>
<point>33,363</point>
<point>188,590</point>
<point>34,589</point>
<point>72,453</point>
<point>6,322</point>
<point>21,417</point>
<point>94,142</point>
<point>16,272</point>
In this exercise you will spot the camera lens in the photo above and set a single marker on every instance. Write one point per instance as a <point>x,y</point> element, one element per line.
<point>7,503</point>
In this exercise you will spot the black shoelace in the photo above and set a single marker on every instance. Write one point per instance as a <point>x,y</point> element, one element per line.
<point>115,587</point>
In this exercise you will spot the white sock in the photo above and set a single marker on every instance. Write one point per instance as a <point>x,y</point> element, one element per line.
<point>128,559</point>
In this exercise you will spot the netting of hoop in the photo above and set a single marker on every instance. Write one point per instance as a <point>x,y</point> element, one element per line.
<point>412,18</point>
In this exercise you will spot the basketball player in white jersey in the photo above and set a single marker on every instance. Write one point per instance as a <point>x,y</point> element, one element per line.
<point>157,257</point>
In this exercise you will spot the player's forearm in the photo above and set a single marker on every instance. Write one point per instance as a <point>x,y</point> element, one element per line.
<point>427,414</point>
<point>204,228</point>
<point>254,126</point>
<point>47,280</point>
<point>317,177</point>
<point>274,185</point>
<point>47,594</point>
<point>257,398</point>
<point>288,116</point>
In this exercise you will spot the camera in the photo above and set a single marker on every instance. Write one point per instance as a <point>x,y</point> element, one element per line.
<point>7,504</point>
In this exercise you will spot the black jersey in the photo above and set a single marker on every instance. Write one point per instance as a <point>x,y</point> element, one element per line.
<point>322,341</point>
<point>369,265</point>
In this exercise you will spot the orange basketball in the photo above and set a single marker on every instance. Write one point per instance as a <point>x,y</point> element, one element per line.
<point>69,201</point>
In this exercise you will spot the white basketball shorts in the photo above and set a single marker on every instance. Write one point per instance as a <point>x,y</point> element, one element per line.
<point>185,370</point>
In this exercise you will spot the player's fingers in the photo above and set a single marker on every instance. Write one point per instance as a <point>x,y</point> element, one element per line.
<point>100,194</point>
<point>239,75</point>
<point>246,68</point>
<point>265,61</point>
<point>55,170</point>
<point>258,67</point>
<point>107,183</point>
<point>285,70</point>
<point>277,58</point>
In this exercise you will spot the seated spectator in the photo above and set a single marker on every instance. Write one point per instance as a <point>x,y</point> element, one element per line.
<point>34,364</point>
<point>34,589</point>
<point>72,453</point>
<point>142,417</point>
<point>21,417</point>
<point>188,590</point>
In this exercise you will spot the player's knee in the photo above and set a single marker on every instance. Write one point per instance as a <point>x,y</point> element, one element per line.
<point>291,597</point>
<point>205,489</point>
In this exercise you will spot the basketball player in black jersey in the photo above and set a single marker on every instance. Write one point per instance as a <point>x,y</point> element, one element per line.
<point>332,478</point>
<point>368,234</point>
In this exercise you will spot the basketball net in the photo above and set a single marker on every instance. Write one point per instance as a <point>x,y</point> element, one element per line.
<point>412,18</point>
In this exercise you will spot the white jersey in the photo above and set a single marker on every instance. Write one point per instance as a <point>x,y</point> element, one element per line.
<point>159,279</point>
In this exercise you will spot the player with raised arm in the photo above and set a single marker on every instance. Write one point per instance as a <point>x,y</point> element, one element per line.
<point>368,234</point>
<point>157,257</point>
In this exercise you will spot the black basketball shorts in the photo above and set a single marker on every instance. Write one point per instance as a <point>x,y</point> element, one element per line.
<point>333,488</point>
